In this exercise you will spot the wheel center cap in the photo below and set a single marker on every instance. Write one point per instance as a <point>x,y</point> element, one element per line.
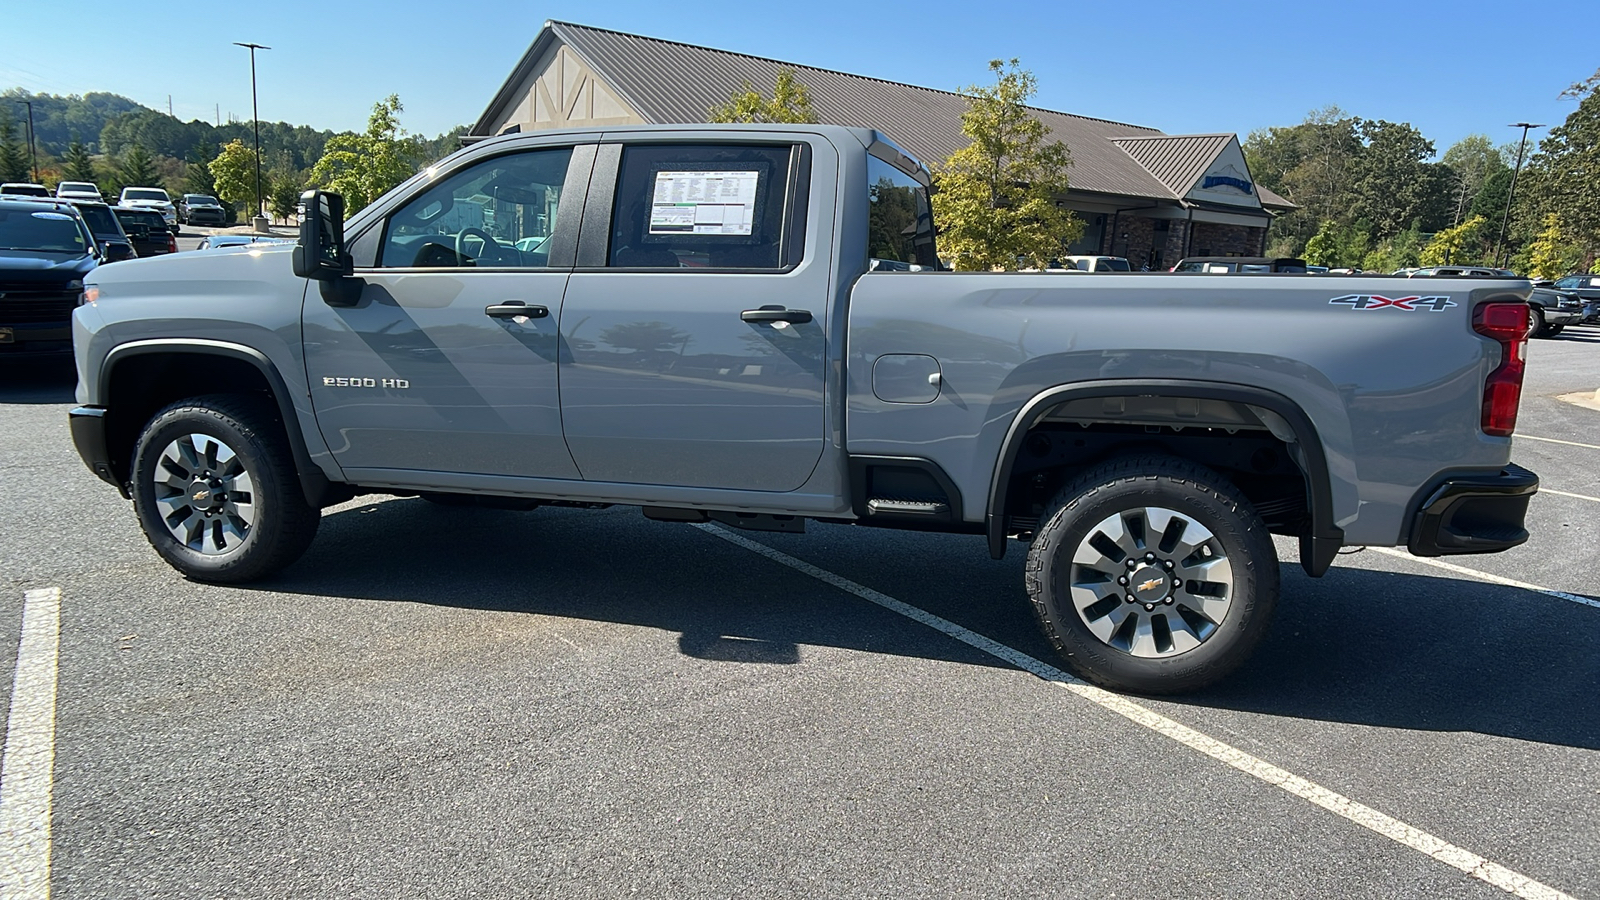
<point>203,496</point>
<point>1149,583</point>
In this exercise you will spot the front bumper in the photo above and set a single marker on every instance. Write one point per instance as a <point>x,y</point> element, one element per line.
<point>35,339</point>
<point>1480,512</point>
<point>88,425</point>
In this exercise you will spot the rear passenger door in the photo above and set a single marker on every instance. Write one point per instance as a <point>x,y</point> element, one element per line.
<point>695,321</point>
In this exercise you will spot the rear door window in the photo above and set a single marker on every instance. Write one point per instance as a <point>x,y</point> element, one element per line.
<point>709,206</point>
<point>899,219</point>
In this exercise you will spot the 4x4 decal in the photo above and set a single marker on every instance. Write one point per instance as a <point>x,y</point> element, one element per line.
<point>1409,304</point>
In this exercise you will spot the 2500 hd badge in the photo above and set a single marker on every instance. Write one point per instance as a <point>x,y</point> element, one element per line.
<point>397,383</point>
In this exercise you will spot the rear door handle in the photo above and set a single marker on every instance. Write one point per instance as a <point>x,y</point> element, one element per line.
<point>776,314</point>
<point>512,308</point>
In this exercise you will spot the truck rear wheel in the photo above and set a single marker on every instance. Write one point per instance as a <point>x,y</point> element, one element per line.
<point>215,490</point>
<point>1152,574</point>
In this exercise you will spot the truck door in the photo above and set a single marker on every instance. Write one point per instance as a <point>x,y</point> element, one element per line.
<point>448,361</point>
<point>696,319</point>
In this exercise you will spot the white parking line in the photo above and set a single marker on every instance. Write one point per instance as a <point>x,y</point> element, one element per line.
<point>1486,576</point>
<point>30,756</point>
<point>1545,490</point>
<point>1365,816</point>
<point>1554,441</point>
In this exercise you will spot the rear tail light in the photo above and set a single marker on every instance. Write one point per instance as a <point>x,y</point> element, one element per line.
<point>1506,324</point>
<point>172,243</point>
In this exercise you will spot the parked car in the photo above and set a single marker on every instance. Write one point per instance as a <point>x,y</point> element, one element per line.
<point>200,209</point>
<point>147,230</point>
<point>1550,311</point>
<point>79,190</point>
<point>23,189</point>
<point>151,198</point>
<point>45,252</point>
<point>108,234</point>
<point>1144,469</point>
<point>1097,263</point>
<point>1585,287</point>
<point>218,241</point>
<point>1462,272</point>
<point>1239,264</point>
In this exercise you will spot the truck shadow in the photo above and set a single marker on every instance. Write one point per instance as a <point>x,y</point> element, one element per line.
<point>40,381</point>
<point>1358,646</point>
<point>613,567</point>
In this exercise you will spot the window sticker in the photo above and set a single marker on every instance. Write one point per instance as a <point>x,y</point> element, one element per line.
<point>704,203</point>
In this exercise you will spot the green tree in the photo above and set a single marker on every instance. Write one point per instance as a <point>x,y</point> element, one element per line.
<point>78,165</point>
<point>1550,255</point>
<point>284,196</point>
<point>13,154</point>
<point>1461,245</point>
<point>137,168</point>
<point>1390,180</point>
<point>1564,175</point>
<point>1404,249</point>
<point>197,177</point>
<point>234,174</point>
<point>1472,161</point>
<point>363,167</point>
<point>996,197</point>
<point>1310,164</point>
<point>790,102</point>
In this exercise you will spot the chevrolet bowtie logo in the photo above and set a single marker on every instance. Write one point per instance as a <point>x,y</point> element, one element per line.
<point>1151,584</point>
<point>201,495</point>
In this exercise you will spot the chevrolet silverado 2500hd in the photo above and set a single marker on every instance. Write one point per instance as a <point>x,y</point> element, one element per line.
<point>689,319</point>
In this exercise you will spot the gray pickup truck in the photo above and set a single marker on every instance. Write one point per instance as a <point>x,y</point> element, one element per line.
<point>691,320</point>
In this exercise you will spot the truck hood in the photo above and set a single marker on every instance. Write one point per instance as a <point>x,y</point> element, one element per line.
<point>34,267</point>
<point>269,262</point>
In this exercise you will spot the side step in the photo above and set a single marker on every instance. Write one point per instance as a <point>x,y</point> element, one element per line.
<point>881,506</point>
<point>746,521</point>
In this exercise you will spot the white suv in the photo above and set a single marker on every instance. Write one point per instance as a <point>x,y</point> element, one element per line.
<point>151,198</point>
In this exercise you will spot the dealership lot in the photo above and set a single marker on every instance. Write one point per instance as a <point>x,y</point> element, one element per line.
<point>448,703</point>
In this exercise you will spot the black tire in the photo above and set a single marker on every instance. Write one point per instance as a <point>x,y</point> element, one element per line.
<point>1553,330</point>
<point>282,523</point>
<point>1536,326</point>
<point>1127,487</point>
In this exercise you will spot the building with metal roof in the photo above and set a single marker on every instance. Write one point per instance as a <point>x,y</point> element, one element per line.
<point>1145,195</point>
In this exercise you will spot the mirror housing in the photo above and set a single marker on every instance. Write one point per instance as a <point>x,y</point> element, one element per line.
<point>321,253</point>
<point>117,251</point>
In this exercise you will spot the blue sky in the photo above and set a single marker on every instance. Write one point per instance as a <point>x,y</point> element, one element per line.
<point>1449,68</point>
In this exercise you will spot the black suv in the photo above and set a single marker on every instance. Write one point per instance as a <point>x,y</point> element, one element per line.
<point>108,234</point>
<point>45,251</point>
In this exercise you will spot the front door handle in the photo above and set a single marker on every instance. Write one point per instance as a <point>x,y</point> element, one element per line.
<point>512,308</point>
<point>776,314</point>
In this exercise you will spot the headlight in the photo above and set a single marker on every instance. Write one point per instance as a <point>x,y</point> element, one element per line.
<point>90,294</point>
<point>76,285</point>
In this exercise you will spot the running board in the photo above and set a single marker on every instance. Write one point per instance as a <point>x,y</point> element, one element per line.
<point>931,508</point>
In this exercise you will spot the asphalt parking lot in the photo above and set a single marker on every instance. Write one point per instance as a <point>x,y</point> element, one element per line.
<point>440,702</point>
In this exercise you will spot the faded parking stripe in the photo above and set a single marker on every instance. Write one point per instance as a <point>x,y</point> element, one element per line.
<point>29,762</point>
<point>1465,860</point>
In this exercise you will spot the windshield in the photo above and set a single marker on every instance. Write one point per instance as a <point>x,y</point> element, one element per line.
<point>76,187</point>
<point>200,200</point>
<point>100,220</point>
<point>899,221</point>
<point>144,194</point>
<point>141,217</point>
<point>25,190</point>
<point>1113,264</point>
<point>41,230</point>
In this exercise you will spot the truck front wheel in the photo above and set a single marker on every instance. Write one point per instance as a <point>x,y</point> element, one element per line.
<point>215,490</point>
<point>1152,574</point>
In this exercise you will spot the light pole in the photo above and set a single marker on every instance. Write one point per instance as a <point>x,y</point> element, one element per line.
<point>1505,220</point>
<point>255,115</point>
<point>33,155</point>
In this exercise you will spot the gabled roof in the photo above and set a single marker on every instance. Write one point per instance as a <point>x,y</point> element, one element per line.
<point>667,82</point>
<point>1177,161</point>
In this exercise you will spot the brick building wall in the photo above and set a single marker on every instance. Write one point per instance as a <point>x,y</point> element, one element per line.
<point>1211,239</point>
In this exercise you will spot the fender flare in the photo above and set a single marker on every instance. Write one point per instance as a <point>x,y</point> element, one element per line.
<point>316,486</point>
<point>1317,550</point>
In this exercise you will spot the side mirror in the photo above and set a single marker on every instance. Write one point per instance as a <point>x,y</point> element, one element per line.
<point>320,253</point>
<point>116,251</point>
